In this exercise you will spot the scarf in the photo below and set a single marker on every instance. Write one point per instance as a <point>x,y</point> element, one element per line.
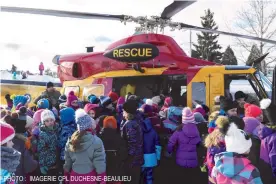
<point>10,159</point>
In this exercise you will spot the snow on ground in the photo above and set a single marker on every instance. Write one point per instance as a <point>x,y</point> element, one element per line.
<point>5,75</point>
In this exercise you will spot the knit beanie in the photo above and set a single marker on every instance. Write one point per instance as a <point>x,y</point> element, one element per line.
<point>19,99</point>
<point>105,101</point>
<point>29,121</point>
<point>93,99</point>
<point>199,109</point>
<point>156,100</point>
<point>227,104</point>
<point>7,132</point>
<point>110,122</point>
<point>43,104</point>
<point>67,115</point>
<point>88,107</point>
<point>37,117</point>
<point>252,110</point>
<point>83,120</point>
<point>199,118</point>
<point>187,116</point>
<point>147,109</point>
<point>47,114</point>
<point>114,97</point>
<point>250,124</point>
<point>239,94</point>
<point>236,140</point>
<point>149,102</point>
<point>238,121</point>
<point>130,106</point>
<point>62,99</point>
<point>71,97</point>
<point>49,85</point>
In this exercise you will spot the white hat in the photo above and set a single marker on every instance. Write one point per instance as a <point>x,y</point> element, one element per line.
<point>29,122</point>
<point>149,102</point>
<point>237,140</point>
<point>47,114</point>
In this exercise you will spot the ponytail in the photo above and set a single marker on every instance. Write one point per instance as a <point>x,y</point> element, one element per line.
<point>75,140</point>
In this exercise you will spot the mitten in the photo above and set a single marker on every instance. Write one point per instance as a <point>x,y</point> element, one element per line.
<point>44,170</point>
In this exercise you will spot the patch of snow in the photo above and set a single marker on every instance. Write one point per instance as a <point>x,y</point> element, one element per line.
<point>5,75</point>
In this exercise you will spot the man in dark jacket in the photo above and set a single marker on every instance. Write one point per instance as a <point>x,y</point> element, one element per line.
<point>50,93</point>
<point>241,98</point>
<point>132,133</point>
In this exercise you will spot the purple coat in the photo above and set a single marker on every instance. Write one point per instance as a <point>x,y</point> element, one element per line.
<point>268,146</point>
<point>186,140</point>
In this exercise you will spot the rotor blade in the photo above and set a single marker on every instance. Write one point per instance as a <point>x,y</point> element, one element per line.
<point>61,13</point>
<point>174,8</point>
<point>226,33</point>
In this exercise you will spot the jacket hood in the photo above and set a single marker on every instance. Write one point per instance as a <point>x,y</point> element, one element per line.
<point>264,131</point>
<point>190,130</point>
<point>86,141</point>
<point>224,160</point>
<point>147,125</point>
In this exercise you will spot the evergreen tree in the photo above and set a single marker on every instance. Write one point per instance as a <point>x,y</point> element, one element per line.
<point>255,53</point>
<point>207,47</point>
<point>229,57</point>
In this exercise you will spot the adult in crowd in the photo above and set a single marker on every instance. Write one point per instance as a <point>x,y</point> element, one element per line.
<point>50,93</point>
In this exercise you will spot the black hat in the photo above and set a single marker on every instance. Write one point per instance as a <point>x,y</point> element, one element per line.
<point>49,85</point>
<point>8,96</point>
<point>238,121</point>
<point>130,106</point>
<point>239,94</point>
<point>62,99</point>
<point>227,104</point>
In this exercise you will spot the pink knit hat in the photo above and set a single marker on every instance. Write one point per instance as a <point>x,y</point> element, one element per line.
<point>187,116</point>
<point>70,98</point>
<point>7,132</point>
<point>37,117</point>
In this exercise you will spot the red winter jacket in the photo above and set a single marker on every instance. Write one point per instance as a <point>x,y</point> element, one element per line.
<point>41,67</point>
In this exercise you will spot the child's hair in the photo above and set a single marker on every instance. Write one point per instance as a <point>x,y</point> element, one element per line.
<point>213,116</point>
<point>75,140</point>
<point>213,139</point>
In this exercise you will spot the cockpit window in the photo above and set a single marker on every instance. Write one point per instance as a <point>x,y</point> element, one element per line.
<point>247,83</point>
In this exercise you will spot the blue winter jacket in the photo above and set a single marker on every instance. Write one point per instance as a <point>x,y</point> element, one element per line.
<point>152,148</point>
<point>65,133</point>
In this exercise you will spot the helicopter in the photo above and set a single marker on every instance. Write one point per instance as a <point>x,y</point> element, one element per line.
<point>150,59</point>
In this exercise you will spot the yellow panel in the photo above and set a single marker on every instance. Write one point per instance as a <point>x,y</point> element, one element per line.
<point>96,89</point>
<point>17,89</point>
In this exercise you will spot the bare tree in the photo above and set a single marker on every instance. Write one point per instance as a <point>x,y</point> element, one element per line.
<point>259,19</point>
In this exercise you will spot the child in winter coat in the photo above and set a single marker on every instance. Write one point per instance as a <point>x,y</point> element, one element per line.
<point>186,139</point>
<point>267,153</point>
<point>212,119</point>
<point>93,110</point>
<point>215,144</point>
<point>10,158</point>
<point>233,166</point>
<point>9,101</point>
<point>67,128</point>
<point>84,152</point>
<point>187,136</point>
<point>27,163</point>
<point>119,111</point>
<point>152,151</point>
<point>110,135</point>
<point>72,101</point>
<point>131,151</point>
<point>45,144</point>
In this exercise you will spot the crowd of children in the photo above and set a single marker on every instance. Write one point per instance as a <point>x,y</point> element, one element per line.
<point>109,137</point>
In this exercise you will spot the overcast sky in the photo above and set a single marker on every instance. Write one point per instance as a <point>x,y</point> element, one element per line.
<point>27,40</point>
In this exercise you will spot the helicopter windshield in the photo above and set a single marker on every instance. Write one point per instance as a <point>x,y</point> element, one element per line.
<point>265,82</point>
